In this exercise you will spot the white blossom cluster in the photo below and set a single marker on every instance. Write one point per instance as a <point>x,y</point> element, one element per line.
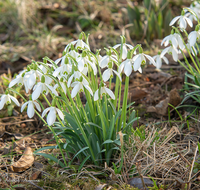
<point>174,41</point>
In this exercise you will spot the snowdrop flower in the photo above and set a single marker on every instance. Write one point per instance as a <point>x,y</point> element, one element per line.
<point>51,117</point>
<point>108,73</point>
<point>75,75</point>
<point>33,74</point>
<point>79,86</point>
<point>193,37</point>
<point>127,65</point>
<point>140,59</point>
<point>84,61</point>
<point>65,68</point>
<point>42,87</point>
<point>18,80</point>
<point>194,9</point>
<point>172,51</point>
<point>183,20</point>
<point>173,39</point>
<point>106,59</point>
<point>6,98</point>
<point>124,49</point>
<point>158,60</point>
<point>103,90</point>
<point>31,110</point>
<point>192,49</point>
<point>62,84</point>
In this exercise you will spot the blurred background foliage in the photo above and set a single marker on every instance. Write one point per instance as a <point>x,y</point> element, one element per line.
<point>32,29</point>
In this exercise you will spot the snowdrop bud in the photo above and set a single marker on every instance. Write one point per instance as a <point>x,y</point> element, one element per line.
<point>66,61</point>
<point>28,68</point>
<point>61,80</point>
<point>172,31</point>
<point>80,36</point>
<point>53,103</point>
<point>108,53</point>
<point>34,66</point>
<point>140,49</point>
<point>84,54</point>
<point>72,47</point>
<point>123,39</point>
<point>182,13</point>
<point>129,54</point>
<point>110,65</point>
<point>43,79</point>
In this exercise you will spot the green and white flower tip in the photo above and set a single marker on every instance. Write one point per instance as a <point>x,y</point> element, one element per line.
<point>103,90</point>
<point>108,73</point>
<point>127,65</point>
<point>79,86</point>
<point>51,117</point>
<point>42,87</point>
<point>6,99</point>
<point>194,36</point>
<point>124,47</point>
<point>140,60</point>
<point>172,51</point>
<point>31,110</point>
<point>183,20</point>
<point>158,60</point>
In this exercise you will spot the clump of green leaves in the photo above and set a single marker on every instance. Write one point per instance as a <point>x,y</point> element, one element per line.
<point>150,20</point>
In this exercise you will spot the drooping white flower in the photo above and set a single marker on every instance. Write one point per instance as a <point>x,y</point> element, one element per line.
<point>192,49</point>
<point>42,87</point>
<point>84,61</point>
<point>18,80</point>
<point>103,90</point>
<point>79,85</point>
<point>193,37</point>
<point>158,60</point>
<point>183,20</point>
<point>75,75</point>
<point>140,59</point>
<point>127,65</point>
<point>62,84</point>
<point>171,50</point>
<point>31,110</point>
<point>106,59</point>
<point>51,117</point>
<point>194,9</point>
<point>124,49</point>
<point>6,99</point>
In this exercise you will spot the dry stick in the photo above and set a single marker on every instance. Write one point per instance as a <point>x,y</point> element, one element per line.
<point>195,153</point>
<point>141,176</point>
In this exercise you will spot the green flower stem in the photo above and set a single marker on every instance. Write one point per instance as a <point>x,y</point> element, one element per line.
<point>55,136</point>
<point>191,57</point>
<point>89,100</point>
<point>81,107</point>
<point>124,106</point>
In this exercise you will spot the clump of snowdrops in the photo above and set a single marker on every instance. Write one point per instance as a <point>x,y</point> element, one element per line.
<point>93,132</point>
<point>182,42</point>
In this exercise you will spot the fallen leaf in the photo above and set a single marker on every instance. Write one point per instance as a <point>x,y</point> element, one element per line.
<point>24,162</point>
<point>174,97</point>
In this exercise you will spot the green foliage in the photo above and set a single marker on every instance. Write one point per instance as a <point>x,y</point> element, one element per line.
<point>151,20</point>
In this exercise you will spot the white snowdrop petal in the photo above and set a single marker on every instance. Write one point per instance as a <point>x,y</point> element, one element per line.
<point>117,75</point>
<point>174,20</point>
<point>51,117</point>
<point>37,92</point>
<point>45,111</point>
<point>106,75</point>
<point>37,105</point>
<point>14,100</point>
<point>189,21</point>
<point>75,90</point>
<point>110,93</point>
<point>128,68</point>
<point>30,110</point>
<point>96,95</point>
<point>60,114</point>
<point>23,106</point>
<point>89,89</point>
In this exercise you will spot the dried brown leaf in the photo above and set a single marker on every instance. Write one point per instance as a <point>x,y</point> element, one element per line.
<point>24,162</point>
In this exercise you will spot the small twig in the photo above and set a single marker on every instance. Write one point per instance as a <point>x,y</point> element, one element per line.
<point>195,153</point>
<point>141,176</point>
<point>35,185</point>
